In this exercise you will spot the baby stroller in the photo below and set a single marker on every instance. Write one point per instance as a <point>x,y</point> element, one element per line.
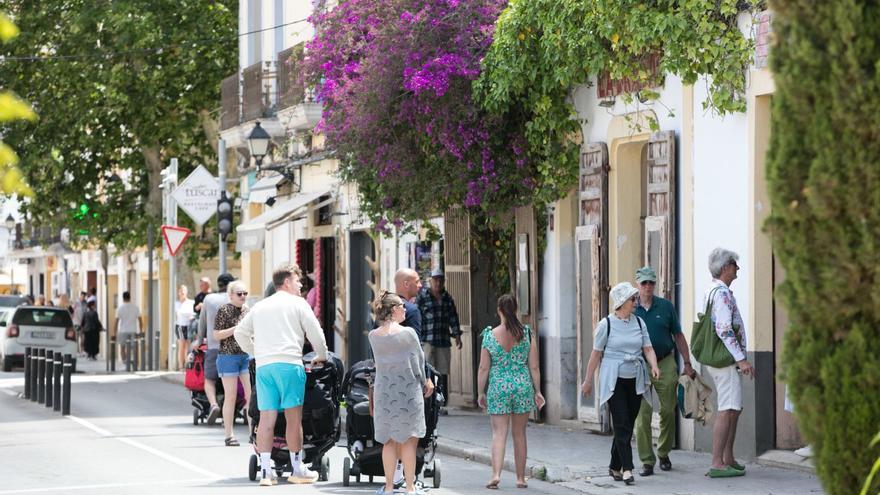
<point>320,419</point>
<point>194,380</point>
<point>365,453</point>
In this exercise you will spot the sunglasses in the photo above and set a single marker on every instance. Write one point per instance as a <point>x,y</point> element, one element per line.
<point>241,294</point>
<point>634,298</point>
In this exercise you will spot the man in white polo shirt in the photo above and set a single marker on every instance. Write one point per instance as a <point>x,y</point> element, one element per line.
<point>284,319</point>
<point>128,323</point>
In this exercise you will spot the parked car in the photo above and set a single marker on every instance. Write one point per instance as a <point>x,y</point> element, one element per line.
<point>12,301</point>
<point>38,327</point>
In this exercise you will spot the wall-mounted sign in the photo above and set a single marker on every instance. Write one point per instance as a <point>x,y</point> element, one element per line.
<point>197,195</point>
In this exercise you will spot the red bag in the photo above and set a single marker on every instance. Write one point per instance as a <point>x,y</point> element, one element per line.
<point>194,377</point>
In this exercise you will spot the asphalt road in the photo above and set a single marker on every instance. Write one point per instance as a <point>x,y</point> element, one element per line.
<point>133,434</point>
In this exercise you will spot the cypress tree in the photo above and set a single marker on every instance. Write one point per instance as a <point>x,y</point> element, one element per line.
<point>824,179</point>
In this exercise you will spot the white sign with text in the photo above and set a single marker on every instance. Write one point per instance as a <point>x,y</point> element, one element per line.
<point>198,195</point>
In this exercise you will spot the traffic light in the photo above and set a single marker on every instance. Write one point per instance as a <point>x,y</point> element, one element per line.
<point>224,215</point>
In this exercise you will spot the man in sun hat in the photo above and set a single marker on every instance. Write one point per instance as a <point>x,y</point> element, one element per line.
<point>665,331</point>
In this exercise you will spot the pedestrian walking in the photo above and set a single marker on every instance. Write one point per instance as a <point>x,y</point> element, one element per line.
<point>729,327</point>
<point>210,305</point>
<point>92,328</point>
<point>509,385</point>
<point>622,352</point>
<point>128,323</point>
<point>204,290</point>
<point>399,390</point>
<point>439,326</point>
<point>285,320</point>
<point>232,362</point>
<point>79,311</point>
<point>185,313</point>
<point>664,330</point>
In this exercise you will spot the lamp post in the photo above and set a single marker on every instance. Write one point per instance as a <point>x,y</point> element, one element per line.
<point>258,143</point>
<point>10,226</point>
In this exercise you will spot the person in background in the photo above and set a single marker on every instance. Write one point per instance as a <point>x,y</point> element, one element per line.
<point>79,311</point>
<point>509,386</point>
<point>41,300</point>
<point>210,306</point>
<point>622,351</point>
<point>93,295</point>
<point>92,328</point>
<point>285,320</point>
<point>204,290</point>
<point>128,323</point>
<point>311,292</point>
<point>232,362</point>
<point>664,329</point>
<point>439,327</point>
<point>184,309</point>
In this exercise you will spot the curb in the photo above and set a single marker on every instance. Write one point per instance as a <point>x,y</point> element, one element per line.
<point>484,456</point>
<point>174,377</point>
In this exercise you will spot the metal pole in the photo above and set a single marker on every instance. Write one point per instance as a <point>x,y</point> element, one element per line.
<point>27,373</point>
<point>221,175</point>
<point>143,357</point>
<point>50,373</point>
<point>112,353</point>
<point>41,376</point>
<point>35,360</point>
<point>65,392</point>
<point>150,241</point>
<point>56,392</point>
<point>171,219</point>
<point>105,262</point>
<point>128,353</point>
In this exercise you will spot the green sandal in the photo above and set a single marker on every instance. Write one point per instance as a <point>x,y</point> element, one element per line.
<point>727,472</point>
<point>738,466</point>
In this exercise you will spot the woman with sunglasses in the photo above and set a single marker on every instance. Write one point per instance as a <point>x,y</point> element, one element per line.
<point>622,352</point>
<point>232,362</point>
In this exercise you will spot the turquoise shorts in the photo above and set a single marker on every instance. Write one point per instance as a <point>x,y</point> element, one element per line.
<point>280,386</point>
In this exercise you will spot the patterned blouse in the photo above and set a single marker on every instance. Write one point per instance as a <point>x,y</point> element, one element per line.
<point>727,320</point>
<point>228,316</point>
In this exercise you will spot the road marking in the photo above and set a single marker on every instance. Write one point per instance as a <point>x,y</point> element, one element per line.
<point>9,392</point>
<point>146,448</point>
<point>94,487</point>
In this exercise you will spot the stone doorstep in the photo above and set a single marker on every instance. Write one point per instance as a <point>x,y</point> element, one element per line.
<point>786,459</point>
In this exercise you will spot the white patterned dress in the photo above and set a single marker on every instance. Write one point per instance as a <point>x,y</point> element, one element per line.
<point>399,406</point>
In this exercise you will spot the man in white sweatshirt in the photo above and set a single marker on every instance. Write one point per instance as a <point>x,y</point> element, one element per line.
<point>284,320</point>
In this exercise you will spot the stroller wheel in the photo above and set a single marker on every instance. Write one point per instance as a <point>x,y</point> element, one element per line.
<point>252,467</point>
<point>371,479</point>
<point>346,471</point>
<point>437,466</point>
<point>324,474</point>
<point>195,417</point>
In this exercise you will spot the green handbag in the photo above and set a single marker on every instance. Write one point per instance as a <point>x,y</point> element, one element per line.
<point>706,347</point>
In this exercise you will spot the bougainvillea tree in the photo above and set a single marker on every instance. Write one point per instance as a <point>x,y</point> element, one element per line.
<point>396,77</point>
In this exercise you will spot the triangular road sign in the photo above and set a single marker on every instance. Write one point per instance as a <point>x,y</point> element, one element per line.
<point>174,237</point>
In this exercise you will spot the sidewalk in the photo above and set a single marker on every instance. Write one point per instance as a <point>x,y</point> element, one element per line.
<point>578,460</point>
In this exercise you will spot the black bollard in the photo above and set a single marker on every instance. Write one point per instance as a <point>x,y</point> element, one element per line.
<point>56,384</point>
<point>34,367</point>
<point>65,392</point>
<point>128,349</point>
<point>113,353</point>
<point>50,372</point>
<point>41,376</point>
<point>27,373</point>
<point>143,356</point>
<point>154,353</point>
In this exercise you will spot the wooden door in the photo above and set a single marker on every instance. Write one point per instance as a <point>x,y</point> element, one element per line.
<point>462,379</point>
<point>591,263</point>
<point>787,434</point>
<point>526,289</point>
<point>660,215</point>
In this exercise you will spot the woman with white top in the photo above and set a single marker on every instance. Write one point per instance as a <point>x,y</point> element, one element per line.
<point>183,308</point>
<point>622,346</point>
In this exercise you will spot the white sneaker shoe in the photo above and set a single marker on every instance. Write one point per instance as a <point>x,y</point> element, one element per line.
<point>805,451</point>
<point>302,475</point>
<point>269,481</point>
<point>398,477</point>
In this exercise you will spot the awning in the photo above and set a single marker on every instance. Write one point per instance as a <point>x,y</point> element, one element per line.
<point>264,188</point>
<point>251,235</point>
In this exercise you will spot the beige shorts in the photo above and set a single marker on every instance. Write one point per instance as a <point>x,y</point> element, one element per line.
<point>728,385</point>
<point>438,357</point>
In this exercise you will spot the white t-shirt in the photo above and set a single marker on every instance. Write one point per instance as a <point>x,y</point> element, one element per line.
<point>128,315</point>
<point>185,311</point>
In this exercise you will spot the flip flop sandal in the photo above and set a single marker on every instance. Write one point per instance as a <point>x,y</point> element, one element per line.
<point>493,485</point>
<point>232,442</point>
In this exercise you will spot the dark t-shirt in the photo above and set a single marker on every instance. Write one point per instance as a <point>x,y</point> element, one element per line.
<point>199,299</point>
<point>413,317</point>
<point>662,322</point>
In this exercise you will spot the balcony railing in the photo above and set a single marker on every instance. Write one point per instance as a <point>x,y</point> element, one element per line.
<point>258,91</point>
<point>291,84</point>
<point>230,101</point>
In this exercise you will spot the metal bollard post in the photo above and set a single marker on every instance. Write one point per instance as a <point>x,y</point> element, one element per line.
<point>143,357</point>
<point>27,373</point>
<point>56,392</point>
<point>50,372</point>
<point>41,376</point>
<point>34,367</point>
<point>154,361</point>
<point>65,392</point>
<point>136,353</point>
<point>113,353</point>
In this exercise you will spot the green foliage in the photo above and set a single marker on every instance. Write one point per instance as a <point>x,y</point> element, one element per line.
<point>11,108</point>
<point>543,49</point>
<point>131,85</point>
<point>825,189</point>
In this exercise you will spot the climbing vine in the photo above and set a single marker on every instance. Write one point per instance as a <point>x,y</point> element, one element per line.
<point>543,49</point>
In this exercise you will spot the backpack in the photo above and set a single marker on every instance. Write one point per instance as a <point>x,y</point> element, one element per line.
<point>706,346</point>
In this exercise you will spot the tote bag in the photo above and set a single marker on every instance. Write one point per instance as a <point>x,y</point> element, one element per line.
<point>706,346</point>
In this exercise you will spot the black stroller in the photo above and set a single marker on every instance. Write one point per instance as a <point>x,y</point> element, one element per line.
<point>195,382</point>
<point>320,419</point>
<point>365,453</point>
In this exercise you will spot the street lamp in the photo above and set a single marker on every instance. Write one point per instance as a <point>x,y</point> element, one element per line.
<point>10,223</point>
<point>10,226</point>
<point>258,143</point>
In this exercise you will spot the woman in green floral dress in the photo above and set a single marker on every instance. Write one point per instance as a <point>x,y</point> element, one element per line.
<point>509,385</point>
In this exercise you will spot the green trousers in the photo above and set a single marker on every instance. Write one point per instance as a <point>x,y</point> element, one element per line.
<point>665,390</point>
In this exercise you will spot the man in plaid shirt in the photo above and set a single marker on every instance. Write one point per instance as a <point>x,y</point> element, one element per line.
<point>439,323</point>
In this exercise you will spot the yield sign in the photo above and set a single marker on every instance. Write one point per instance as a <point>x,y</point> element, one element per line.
<point>174,237</point>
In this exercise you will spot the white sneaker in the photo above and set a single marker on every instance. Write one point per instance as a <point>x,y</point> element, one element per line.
<point>398,477</point>
<point>805,451</point>
<point>269,481</point>
<point>302,475</point>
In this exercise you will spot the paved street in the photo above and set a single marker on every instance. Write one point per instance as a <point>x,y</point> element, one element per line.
<point>133,434</point>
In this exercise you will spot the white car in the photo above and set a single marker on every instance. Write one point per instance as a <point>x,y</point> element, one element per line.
<point>36,327</point>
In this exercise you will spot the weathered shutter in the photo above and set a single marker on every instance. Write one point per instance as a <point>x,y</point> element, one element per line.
<point>458,283</point>
<point>591,258</point>
<point>526,289</point>
<point>660,215</point>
